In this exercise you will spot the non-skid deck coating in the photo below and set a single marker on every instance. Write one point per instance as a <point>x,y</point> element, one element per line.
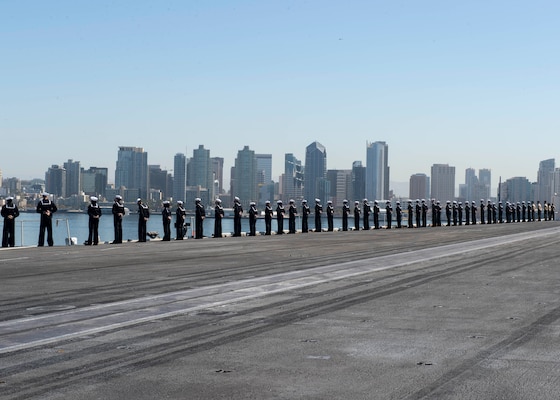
<point>406,314</point>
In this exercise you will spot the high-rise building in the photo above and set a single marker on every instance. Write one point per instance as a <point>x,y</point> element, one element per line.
<point>292,181</point>
<point>517,189</point>
<point>264,168</point>
<point>340,182</point>
<point>94,181</point>
<point>218,174</point>
<point>377,171</point>
<point>73,177</point>
<point>132,170</point>
<point>160,180</point>
<point>55,181</point>
<point>443,182</point>
<point>244,177</point>
<point>199,169</point>
<point>419,187</point>
<point>179,177</point>
<point>316,184</point>
<point>358,182</point>
<point>545,177</point>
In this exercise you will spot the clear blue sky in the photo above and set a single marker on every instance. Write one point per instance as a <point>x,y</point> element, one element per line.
<point>467,83</point>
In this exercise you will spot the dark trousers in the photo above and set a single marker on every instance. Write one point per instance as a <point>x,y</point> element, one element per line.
<point>142,230</point>
<point>93,236</point>
<point>117,225</point>
<point>46,224</point>
<point>167,230</point>
<point>8,233</point>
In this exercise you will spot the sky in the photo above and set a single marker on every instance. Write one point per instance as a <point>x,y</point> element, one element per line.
<point>471,84</point>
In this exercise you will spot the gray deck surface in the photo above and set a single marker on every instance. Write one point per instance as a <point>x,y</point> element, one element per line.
<point>470,312</point>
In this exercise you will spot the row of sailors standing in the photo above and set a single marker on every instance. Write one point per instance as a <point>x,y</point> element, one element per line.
<point>455,212</point>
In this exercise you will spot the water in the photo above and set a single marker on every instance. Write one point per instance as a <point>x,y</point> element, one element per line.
<point>27,227</point>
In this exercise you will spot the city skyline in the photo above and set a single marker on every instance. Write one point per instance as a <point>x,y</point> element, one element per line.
<point>473,85</point>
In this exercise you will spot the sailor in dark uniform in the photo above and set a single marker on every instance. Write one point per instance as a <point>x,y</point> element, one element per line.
<point>455,212</point>
<point>508,212</point>
<point>143,216</point>
<point>367,211</point>
<point>9,212</point>
<point>200,214</point>
<point>398,210</point>
<point>418,212</point>
<point>330,216</point>
<point>292,213</point>
<point>482,221</point>
<point>357,212</point>
<point>280,211</point>
<point>518,211</point>
<point>94,213</point>
<point>460,213</point>
<point>166,216</point>
<point>523,211</point>
<point>305,211</point>
<point>467,213</point>
<point>46,208</point>
<point>434,212</point>
<point>345,214</point>
<point>424,213</point>
<point>218,216</point>
<point>318,212</point>
<point>494,213</point>
<point>500,212</point>
<point>473,212</point>
<point>410,211</point>
<point>237,213</point>
<point>268,212</point>
<point>437,217</point>
<point>448,212</point>
<point>180,215</point>
<point>389,214</point>
<point>489,212</point>
<point>253,213</point>
<point>376,210</point>
<point>118,212</point>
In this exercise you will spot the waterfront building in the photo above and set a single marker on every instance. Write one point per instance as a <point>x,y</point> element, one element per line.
<point>517,189</point>
<point>94,181</point>
<point>73,178</point>
<point>545,177</point>
<point>179,177</point>
<point>132,170</point>
<point>315,177</point>
<point>340,182</point>
<point>377,170</point>
<point>292,180</point>
<point>358,182</point>
<point>218,175</point>
<point>419,187</point>
<point>244,177</point>
<point>442,182</point>
<point>55,181</point>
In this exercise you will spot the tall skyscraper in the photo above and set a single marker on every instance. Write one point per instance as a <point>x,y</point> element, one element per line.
<point>315,179</point>
<point>179,177</point>
<point>358,182</point>
<point>244,177</point>
<point>419,187</point>
<point>545,177</point>
<point>73,177</point>
<point>517,189</point>
<point>292,181</point>
<point>340,182</point>
<point>55,181</point>
<point>94,181</point>
<point>132,171</point>
<point>443,182</point>
<point>218,174</point>
<point>377,171</point>
<point>199,169</point>
<point>264,168</point>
